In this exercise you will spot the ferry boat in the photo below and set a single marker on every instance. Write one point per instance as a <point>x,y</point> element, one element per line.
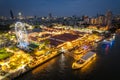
<point>83,60</point>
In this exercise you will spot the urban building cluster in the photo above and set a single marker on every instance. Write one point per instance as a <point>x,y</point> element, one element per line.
<point>75,21</point>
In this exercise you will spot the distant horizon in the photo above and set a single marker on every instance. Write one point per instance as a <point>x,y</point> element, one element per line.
<point>53,15</point>
<point>58,7</point>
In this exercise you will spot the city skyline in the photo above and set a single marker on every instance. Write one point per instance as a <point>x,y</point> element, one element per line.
<point>58,7</point>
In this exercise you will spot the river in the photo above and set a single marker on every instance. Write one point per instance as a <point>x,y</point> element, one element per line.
<point>106,66</point>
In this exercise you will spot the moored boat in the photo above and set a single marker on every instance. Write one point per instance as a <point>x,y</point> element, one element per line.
<point>83,60</point>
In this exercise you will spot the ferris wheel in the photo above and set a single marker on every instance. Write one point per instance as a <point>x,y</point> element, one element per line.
<point>21,35</point>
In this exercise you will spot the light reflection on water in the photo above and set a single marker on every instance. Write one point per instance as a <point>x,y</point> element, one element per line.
<point>44,66</point>
<point>62,62</point>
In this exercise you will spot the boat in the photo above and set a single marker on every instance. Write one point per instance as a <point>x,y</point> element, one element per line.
<point>83,60</point>
<point>109,40</point>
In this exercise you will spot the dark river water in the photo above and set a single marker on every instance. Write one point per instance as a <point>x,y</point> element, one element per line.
<point>106,66</point>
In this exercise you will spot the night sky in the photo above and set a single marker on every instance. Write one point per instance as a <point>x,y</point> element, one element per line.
<point>58,7</point>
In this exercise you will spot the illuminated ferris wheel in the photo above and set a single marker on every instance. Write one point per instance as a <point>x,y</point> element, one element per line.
<point>21,35</point>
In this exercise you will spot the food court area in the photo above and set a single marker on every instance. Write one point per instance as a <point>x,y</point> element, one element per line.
<point>73,41</point>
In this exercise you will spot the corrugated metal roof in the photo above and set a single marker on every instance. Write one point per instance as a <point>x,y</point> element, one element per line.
<point>88,55</point>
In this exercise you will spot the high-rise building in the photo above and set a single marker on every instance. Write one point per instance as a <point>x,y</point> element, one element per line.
<point>86,19</point>
<point>11,14</point>
<point>101,20</point>
<point>108,18</point>
<point>20,15</point>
